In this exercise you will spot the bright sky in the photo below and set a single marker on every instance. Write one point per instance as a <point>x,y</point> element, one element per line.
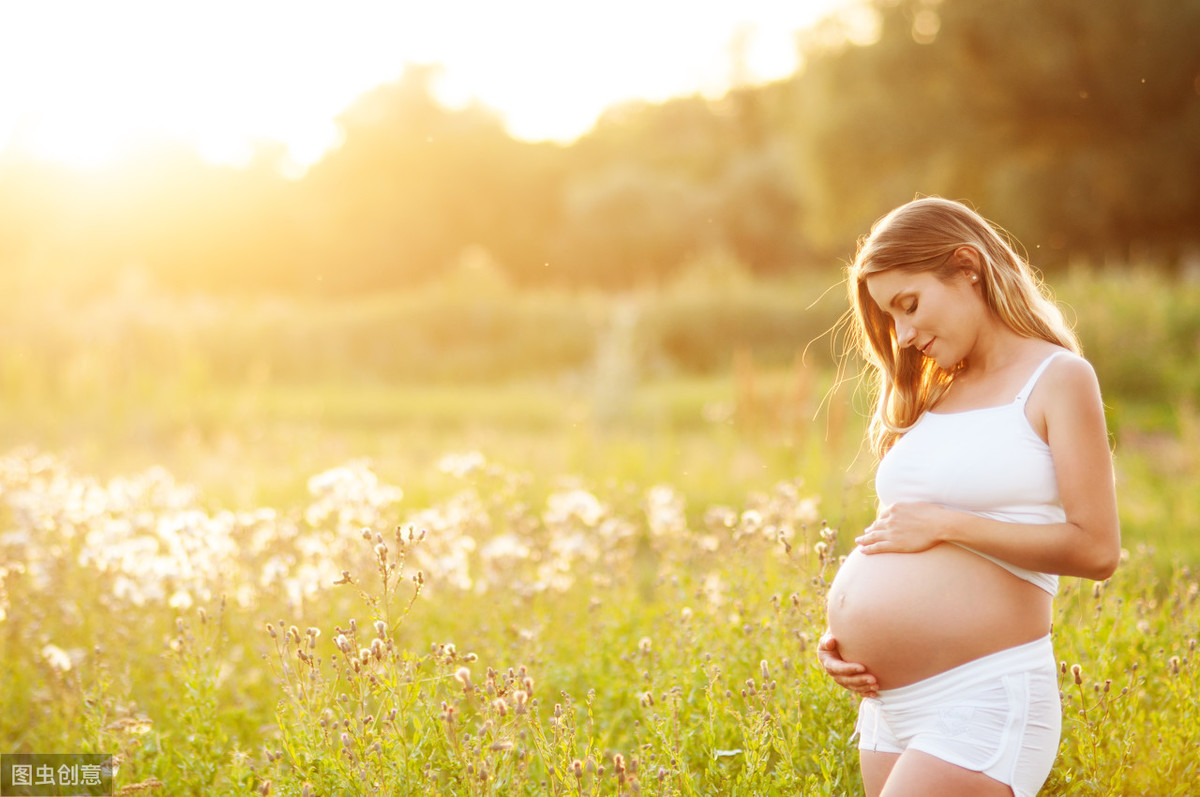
<point>82,82</point>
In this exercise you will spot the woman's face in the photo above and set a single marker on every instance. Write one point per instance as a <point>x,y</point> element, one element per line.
<point>940,319</point>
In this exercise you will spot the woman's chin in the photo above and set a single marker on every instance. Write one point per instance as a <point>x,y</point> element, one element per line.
<point>946,363</point>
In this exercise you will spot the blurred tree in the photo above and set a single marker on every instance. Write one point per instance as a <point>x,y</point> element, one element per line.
<point>1077,126</point>
<point>758,210</point>
<point>631,227</point>
<point>415,183</point>
<point>1073,122</point>
<point>390,211</point>
<point>735,182</point>
<point>691,137</point>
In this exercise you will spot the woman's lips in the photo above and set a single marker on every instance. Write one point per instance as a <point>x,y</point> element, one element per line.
<point>926,347</point>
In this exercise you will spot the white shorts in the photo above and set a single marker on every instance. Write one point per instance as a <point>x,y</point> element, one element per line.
<point>999,715</point>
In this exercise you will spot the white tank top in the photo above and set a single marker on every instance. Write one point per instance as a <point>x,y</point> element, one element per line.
<point>989,462</point>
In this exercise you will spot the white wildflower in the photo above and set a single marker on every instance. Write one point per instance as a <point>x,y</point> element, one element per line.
<point>57,658</point>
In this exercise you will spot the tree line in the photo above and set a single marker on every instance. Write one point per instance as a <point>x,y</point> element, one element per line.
<point>1074,123</point>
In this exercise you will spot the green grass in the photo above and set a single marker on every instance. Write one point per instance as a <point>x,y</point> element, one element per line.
<point>648,586</point>
<point>640,542</point>
<point>710,436</point>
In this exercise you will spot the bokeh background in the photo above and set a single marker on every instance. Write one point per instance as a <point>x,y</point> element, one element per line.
<point>250,242</point>
<point>497,346</point>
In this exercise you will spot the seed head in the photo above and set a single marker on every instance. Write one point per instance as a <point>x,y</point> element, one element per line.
<point>1077,672</point>
<point>463,676</point>
<point>381,629</point>
<point>577,769</point>
<point>57,658</point>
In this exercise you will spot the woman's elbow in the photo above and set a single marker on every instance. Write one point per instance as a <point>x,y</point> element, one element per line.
<point>1104,560</point>
<point>1103,570</point>
<point>1095,555</point>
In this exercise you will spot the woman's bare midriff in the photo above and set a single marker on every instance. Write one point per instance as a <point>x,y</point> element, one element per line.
<point>907,616</point>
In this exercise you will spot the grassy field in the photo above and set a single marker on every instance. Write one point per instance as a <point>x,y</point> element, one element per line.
<point>603,582</point>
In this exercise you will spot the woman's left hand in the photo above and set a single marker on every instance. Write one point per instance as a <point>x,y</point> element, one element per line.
<point>904,528</point>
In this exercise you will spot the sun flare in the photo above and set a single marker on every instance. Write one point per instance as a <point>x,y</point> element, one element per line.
<point>100,80</point>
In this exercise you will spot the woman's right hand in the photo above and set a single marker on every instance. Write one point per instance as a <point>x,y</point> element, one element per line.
<point>847,674</point>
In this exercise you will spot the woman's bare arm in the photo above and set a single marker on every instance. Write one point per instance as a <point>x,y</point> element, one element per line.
<point>1088,544</point>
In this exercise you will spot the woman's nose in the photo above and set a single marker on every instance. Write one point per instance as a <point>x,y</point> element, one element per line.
<point>905,334</point>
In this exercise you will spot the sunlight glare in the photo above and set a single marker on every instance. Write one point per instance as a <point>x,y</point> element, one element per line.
<point>98,80</point>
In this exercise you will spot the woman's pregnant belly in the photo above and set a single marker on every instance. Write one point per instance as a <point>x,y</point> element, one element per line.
<point>907,616</point>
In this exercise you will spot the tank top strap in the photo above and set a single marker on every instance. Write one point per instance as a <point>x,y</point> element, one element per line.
<point>1023,396</point>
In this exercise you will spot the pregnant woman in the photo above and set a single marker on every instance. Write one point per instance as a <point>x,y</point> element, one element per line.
<point>994,478</point>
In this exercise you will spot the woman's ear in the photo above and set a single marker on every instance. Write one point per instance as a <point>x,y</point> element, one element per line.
<point>968,261</point>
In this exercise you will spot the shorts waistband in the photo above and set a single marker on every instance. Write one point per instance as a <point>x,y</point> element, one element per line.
<point>1029,656</point>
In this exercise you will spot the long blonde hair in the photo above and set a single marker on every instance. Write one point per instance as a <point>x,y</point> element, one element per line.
<point>922,235</point>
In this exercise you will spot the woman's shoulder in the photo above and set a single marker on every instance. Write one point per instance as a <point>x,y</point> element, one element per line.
<point>1067,394</point>
<point>1069,377</point>
<point>1062,363</point>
